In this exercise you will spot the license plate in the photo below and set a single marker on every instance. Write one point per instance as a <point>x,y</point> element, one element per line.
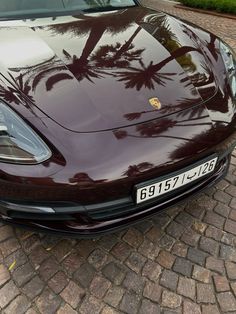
<point>174,182</point>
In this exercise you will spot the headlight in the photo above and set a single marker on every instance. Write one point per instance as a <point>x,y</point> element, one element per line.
<point>18,142</point>
<point>229,58</point>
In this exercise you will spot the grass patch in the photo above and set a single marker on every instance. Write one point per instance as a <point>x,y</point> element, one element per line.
<point>225,6</point>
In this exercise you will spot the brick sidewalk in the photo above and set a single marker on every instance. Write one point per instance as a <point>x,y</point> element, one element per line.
<point>183,261</point>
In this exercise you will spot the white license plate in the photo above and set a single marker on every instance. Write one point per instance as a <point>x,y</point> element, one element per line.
<point>150,191</point>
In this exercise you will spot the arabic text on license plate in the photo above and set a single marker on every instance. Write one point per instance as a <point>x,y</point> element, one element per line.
<point>156,189</point>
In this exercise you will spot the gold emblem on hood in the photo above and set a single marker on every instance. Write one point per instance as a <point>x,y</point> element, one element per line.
<point>155,103</point>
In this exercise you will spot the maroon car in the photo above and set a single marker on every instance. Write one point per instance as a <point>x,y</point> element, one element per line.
<point>110,112</point>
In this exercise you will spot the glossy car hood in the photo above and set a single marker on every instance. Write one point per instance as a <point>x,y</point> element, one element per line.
<point>98,71</point>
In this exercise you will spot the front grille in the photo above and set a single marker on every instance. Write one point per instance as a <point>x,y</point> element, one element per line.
<point>124,207</point>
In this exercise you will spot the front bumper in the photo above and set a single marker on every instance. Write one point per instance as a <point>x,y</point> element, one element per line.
<point>92,220</point>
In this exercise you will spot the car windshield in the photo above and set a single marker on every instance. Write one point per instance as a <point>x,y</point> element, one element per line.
<point>22,8</point>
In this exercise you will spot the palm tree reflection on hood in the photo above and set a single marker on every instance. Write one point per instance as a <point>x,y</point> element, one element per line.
<point>118,56</point>
<point>83,67</point>
<point>143,77</point>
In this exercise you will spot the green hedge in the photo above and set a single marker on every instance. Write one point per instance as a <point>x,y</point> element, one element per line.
<point>226,6</point>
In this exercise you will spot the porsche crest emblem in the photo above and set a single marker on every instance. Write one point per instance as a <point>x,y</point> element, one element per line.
<point>155,103</point>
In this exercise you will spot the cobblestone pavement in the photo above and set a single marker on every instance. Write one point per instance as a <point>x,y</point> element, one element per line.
<point>183,261</point>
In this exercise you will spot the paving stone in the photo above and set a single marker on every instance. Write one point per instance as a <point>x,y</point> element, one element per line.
<point>114,272</point>
<point>48,302</point>
<point>130,303</point>
<point>166,242</point>
<point>144,226</point>
<point>209,245</point>
<point>231,190</point>
<point>153,291</point>
<point>19,305</point>
<point>72,262</point>
<point>163,219</point>
<point>214,219</point>
<point>169,279</point>
<point>205,293</point>
<point>227,253</point>
<point>233,286</point>
<point>190,237</point>
<point>84,275</point>
<point>228,239</point>
<point>232,215</point>
<point>7,293</point>
<point>207,201</point>
<point>149,249</point>
<point>107,243</point>
<point>154,234</point>
<point>151,270</point>
<point>214,233</point>
<point>175,229</point>
<point>90,305</point>
<point>194,209</point>
<point>114,295</point>
<point>191,308</point>
<point>170,299</point>
<point>9,246</point>
<point>38,255</point>
<point>33,288</point>
<point>184,219</point>
<point>230,226</point>
<point>231,270</point>
<point>197,256</point>
<point>227,301</point>
<point>222,197</point>
<point>221,283</point>
<point>135,262</point>
<point>18,258</point>
<point>66,309</point>
<point>201,274</point>
<point>133,237</point>
<point>183,267</point>
<point>31,311</point>
<point>215,264</point>
<point>4,275</point>
<point>149,307</point>
<point>97,259</point>
<point>174,211</point>
<point>186,288</point>
<point>232,204</point>
<point>62,249</point>
<point>58,282</point>
<point>99,286</point>
<point>6,232</point>
<point>210,309</point>
<point>166,259</point>
<point>121,250</point>
<point>180,249</point>
<point>85,247</point>
<point>30,243</point>
<point>222,210</point>
<point>23,274</point>
<point>134,282</point>
<point>72,294</point>
<point>49,268</point>
<point>199,227</point>
<point>108,310</point>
